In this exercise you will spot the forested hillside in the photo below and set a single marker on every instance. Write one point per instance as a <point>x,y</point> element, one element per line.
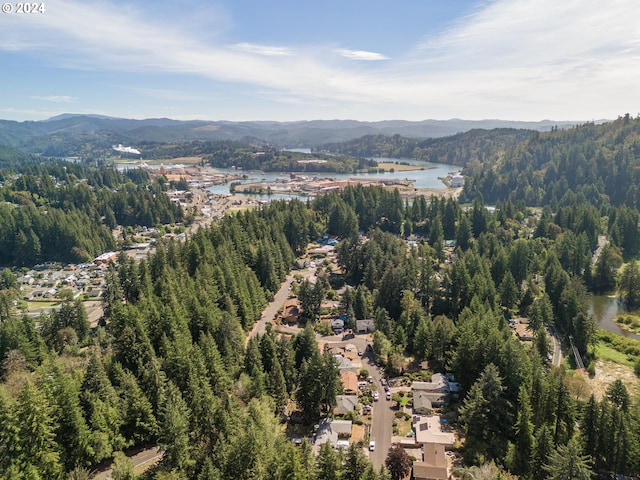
<point>172,368</point>
<point>599,163</point>
<point>270,159</point>
<point>440,279</point>
<point>62,211</point>
<point>459,149</point>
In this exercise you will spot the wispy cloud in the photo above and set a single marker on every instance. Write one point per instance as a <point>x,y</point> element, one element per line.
<point>56,98</point>
<point>361,55</point>
<point>520,59</point>
<point>266,50</point>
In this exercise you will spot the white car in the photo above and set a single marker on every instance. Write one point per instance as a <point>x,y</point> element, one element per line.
<point>376,396</point>
<point>372,445</point>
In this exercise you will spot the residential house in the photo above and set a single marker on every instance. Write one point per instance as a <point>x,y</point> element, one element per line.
<point>336,432</point>
<point>349,382</point>
<point>291,311</point>
<point>456,181</point>
<point>421,403</point>
<point>522,331</point>
<point>434,466</point>
<point>337,325</point>
<point>365,326</point>
<point>345,403</point>
<point>437,390</point>
<point>25,280</point>
<point>438,383</point>
<point>428,430</point>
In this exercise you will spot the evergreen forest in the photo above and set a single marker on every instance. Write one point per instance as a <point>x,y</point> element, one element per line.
<point>177,366</point>
<point>63,211</point>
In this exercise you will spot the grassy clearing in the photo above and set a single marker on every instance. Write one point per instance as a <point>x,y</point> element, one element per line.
<point>403,427</point>
<point>605,352</point>
<point>616,357</point>
<point>36,304</point>
<point>616,348</point>
<point>387,166</point>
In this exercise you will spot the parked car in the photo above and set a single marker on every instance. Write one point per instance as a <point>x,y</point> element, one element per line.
<point>376,397</point>
<point>372,445</point>
<point>388,395</point>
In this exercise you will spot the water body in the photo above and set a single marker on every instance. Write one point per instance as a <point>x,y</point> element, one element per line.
<point>427,178</point>
<point>605,309</point>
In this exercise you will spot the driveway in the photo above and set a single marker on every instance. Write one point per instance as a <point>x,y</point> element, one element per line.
<point>271,310</point>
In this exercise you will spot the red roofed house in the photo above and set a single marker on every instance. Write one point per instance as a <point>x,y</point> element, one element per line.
<point>349,382</point>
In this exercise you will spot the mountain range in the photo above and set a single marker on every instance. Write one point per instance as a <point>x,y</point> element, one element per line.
<point>38,136</point>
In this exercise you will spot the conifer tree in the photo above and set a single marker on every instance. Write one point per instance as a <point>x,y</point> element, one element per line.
<point>328,465</point>
<point>10,448</point>
<point>485,417</point>
<point>524,440</point>
<point>38,449</point>
<point>174,431</point>
<point>568,462</point>
<point>543,447</point>
<point>355,463</point>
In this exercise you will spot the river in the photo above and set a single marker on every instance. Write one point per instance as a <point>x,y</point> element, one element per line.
<point>605,309</point>
<point>429,177</point>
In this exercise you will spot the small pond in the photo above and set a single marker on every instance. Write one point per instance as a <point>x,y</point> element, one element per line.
<point>605,309</point>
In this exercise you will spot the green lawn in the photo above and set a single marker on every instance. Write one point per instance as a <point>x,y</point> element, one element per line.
<point>605,352</point>
<point>34,305</point>
<point>617,348</point>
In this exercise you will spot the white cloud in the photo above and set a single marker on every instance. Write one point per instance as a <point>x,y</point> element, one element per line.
<point>56,98</point>
<point>266,50</point>
<point>361,55</point>
<point>519,59</point>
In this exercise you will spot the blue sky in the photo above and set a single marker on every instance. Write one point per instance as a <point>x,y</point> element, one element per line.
<point>349,59</point>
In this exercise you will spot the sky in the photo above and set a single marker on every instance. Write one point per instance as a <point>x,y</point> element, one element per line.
<point>283,60</point>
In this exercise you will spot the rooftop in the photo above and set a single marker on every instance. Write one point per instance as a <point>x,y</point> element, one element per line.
<point>428,430</point>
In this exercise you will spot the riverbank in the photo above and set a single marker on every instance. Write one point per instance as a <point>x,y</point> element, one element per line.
<point>606,309</point>
<point>401,167</point>
<point>629,321</point>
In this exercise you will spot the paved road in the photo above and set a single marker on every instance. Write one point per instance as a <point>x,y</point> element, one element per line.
<point>141,462</point>
<point>382,417</point>
<point>382,414</point>
<point>557,347</point>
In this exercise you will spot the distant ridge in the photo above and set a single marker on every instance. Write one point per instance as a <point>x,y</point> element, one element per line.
<point>39,136</point>
<point>64,116</point>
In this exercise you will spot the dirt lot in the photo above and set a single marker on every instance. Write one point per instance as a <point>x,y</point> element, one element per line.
<point>607,372</point>
<point>357,433</point>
